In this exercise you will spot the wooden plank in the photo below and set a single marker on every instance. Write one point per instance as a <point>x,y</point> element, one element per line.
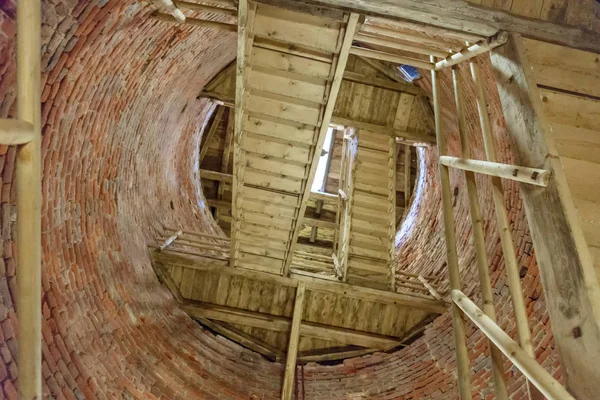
<point>282,107</point>
<point>462,16</point>
<point>566,267</point>
<point>270,147</point>
<point>462,358</point>
<point>211,133</point>
<point>333,93</point>
<point>270,82</point>
<point>527,364</point>
<point>283,324</point>
<point>195,22</point>
<point>237,335</point>
<point>272,181</point>
<point>215,176</point>
<point>280,129</point>
<point>383,84</point>
<point>415,138</point>
<point>296,28</point>
<point>395,44</point>
<point>292,352</point>
<point>576,143</point>
<point>341,289</point>
<point>564,68</point>
<point>396,59</point>
<point>289,62</point>
<point>245,22</point>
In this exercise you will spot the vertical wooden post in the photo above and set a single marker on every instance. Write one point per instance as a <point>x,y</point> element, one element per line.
<point>292,354</point>
<point>479,239</point>
<point>29,202</point>
<point>566,270</point>
<point>462,358</point>
<point>407,174</point>
<point>393,160</point>
<point>508,249</point>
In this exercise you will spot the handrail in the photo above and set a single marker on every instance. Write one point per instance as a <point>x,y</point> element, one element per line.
<point>29,200</point>
<point>533,176</point>
<point>536,374</point>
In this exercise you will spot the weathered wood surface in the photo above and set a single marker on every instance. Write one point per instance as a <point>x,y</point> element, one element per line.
<point>566,269</point>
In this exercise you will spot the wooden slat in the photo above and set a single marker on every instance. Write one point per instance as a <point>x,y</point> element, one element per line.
<point>415,138</point>
<point>565,264</point>
<point>296,28</point>
<point>337,288</point>
<point>333,93</point>
<point>292,353</point>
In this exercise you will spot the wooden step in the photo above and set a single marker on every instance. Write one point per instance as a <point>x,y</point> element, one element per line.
<point>296,28</point>
<point>280,128</point>
<point>288,62</point>
<point>275,165</point>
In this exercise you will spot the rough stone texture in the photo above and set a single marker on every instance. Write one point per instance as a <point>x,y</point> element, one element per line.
<point>121,128</point>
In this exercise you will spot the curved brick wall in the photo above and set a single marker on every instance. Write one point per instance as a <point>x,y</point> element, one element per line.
<point>121,131</point>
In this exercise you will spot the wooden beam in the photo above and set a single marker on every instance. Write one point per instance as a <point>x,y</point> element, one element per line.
<point>473,51</point>
<point>383,84</point>
<point>169,241</point>
<point>171,8</point>
<point>462,16</point>
<point>414,38</point>
<point>244,339</point>
<point>320,223</point>
<point>565,265</point>
<point>225,160</point>
<point>14,132</point>
<point>423,139</point>
<point>211,132</point>
<point>394,58</point>
<point>29,202</point>
<point>294,340</point>
<point>407,174</point>
<point>528,365</point>
<point>477,231</point>
<point>215,176</point>
<point>196,22</point>
<point>338,73</point>
<point>394,44</point>
<point>245,23</point>
<point>323,196</point>
<point>460,341</point>
<point>532,176</point>
<point>284,324</point>
<point>165,278</point>
<point>338,288</point>
<point>219,204</point>
<point>331,354</point>
<point>207,8</point>
<point>219,98</point>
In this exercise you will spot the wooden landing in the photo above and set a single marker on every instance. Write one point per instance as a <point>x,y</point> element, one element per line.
<point>255,309</point>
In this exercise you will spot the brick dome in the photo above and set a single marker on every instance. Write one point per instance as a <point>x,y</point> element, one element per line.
<point>121,129</point>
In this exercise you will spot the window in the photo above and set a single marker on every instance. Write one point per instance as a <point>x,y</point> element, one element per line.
<point>320,179</point>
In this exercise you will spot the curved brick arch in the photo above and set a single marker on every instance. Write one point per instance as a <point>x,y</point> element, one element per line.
<point>121,130</point>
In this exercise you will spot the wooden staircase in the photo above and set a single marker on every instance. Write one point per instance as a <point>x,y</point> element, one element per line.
<point>373,212</point>
<point>290,66</point>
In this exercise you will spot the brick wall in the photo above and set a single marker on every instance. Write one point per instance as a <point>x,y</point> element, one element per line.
<point>121,127</point>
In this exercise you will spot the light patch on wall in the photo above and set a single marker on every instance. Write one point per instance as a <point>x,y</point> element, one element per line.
<point>318,184</point>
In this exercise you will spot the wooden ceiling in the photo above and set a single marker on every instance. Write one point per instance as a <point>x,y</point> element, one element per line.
<point>296,273</point>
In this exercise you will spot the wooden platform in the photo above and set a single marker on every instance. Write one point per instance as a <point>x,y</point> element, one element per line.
<point>255,309</point>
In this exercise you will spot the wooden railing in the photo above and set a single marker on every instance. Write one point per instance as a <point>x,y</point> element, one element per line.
<point>521,354</point>
<point>536,374</point>
<point>25,132</point>
<point>198,244</point>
